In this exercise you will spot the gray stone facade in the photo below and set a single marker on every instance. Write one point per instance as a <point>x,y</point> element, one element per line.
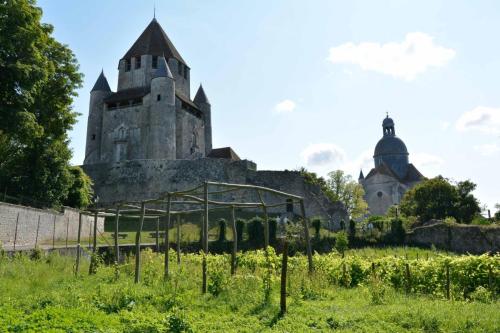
<point>149,137</point>
<point>393,174</point>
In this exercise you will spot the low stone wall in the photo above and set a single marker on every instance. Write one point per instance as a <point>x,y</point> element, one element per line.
<point>41,226</point>
<point>457,237</point>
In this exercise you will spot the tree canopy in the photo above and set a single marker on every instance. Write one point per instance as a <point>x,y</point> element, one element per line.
<point>437,198</point>
<point>349,192</point>
<point>39,78</point>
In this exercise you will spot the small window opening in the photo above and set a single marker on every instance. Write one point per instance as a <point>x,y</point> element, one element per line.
<point>93,137</point>
<point>379,194</point>
<point>158,97</point>
<point>112,106</point>
<point>137,62</point>
<point>185,73</point>
<point>179,67</point>
<point>155,61</point>
<point>127,65</point>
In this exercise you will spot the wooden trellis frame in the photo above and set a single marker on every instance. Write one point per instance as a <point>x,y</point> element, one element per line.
<point>183,201</point>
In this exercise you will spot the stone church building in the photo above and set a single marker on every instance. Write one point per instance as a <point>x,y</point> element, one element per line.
<point>150,136</point>
<point>392,175</point>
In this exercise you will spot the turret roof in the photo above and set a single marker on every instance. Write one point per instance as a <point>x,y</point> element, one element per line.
<point>154,41</point>
<point>200,96</point>
<point>163,70</point>
<point>101,84</point>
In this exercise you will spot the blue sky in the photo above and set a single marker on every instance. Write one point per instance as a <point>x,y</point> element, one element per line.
<point>295,83</point>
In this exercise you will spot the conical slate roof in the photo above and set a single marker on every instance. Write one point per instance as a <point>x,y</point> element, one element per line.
<point>200,96</point>
<point>101,84</point>
<point>163,70</point>
<point>154,41</point>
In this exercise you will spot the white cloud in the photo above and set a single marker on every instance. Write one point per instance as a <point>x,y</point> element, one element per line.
<point>285,106</point>
<point>445,125</point>
<point>482,119</point>
<point>428,164</point>
<point>488,149</point>
<point>322,154</point>
<point>364,162</point>
<point>323,158</point>
<point>404,60</point>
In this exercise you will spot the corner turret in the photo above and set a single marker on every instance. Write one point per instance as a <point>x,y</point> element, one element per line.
<point>202,102</point>
<point>162,138</point>
<point>99,92</point>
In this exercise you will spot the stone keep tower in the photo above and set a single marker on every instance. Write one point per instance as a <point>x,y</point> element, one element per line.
<point>151,115</point>
<point>393,174</point>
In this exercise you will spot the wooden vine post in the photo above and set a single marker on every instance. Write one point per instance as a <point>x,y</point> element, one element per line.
<point>157,234</point>
<point>167,238</point>
<point>15,233</point>
<point>266,220</point>
<point>235,241</point>
<point>408,278</point>
<point>78,246</point>
<point>138,245</point>
<point>178,239</point>
<point>205,240</point>
<point>94,246</point>
<point>117,247</point>
<point>306,233</point>
<point>447,281</point>
<point>284,266</point>
<point>37,231</point>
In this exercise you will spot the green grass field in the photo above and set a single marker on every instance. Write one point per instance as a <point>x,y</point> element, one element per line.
<point>44,296</point>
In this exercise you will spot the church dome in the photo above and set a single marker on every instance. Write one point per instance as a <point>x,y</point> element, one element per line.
<point>391,150</point>
<point>390,145</point>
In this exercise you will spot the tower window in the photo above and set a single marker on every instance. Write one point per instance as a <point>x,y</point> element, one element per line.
<point>158,97</point>
<point>185,73</point>
<point>155,61</point>
<point>179,67</point>
<point>93,137</point>
<point>137,62</point>
<point>127,65</point>
<point>379,194</point>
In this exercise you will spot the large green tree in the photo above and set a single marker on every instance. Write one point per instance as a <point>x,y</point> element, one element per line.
<point>437,198</point>
<point>39,78</point>
<point>347,191</point>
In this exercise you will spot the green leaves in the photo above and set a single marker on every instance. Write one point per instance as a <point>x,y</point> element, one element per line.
<point>39,80</point>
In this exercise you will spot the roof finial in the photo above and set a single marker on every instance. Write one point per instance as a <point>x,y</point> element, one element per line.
<point>387,114</point>
<point>154,10</point>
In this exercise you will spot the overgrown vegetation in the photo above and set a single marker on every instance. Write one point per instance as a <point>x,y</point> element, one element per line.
<point>365,291</point>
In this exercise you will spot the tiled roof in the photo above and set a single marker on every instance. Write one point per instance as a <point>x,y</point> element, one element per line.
<point>154,41</point>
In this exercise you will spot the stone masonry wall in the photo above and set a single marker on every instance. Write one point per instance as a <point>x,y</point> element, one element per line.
<point>457,238</point>
<point>147,179</point>
<point>52,225</point>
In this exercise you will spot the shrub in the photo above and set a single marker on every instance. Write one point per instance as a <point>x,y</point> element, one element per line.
<point>397,233</point>
<point>240,229</point>
<point>341,242</point>
<point>178,325</point>
<point>36,254</point>
<point>255,231</point>
<point>481,294</point>
<point>352,229</point>
<point>222,230</point>
<point>316,223</point>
